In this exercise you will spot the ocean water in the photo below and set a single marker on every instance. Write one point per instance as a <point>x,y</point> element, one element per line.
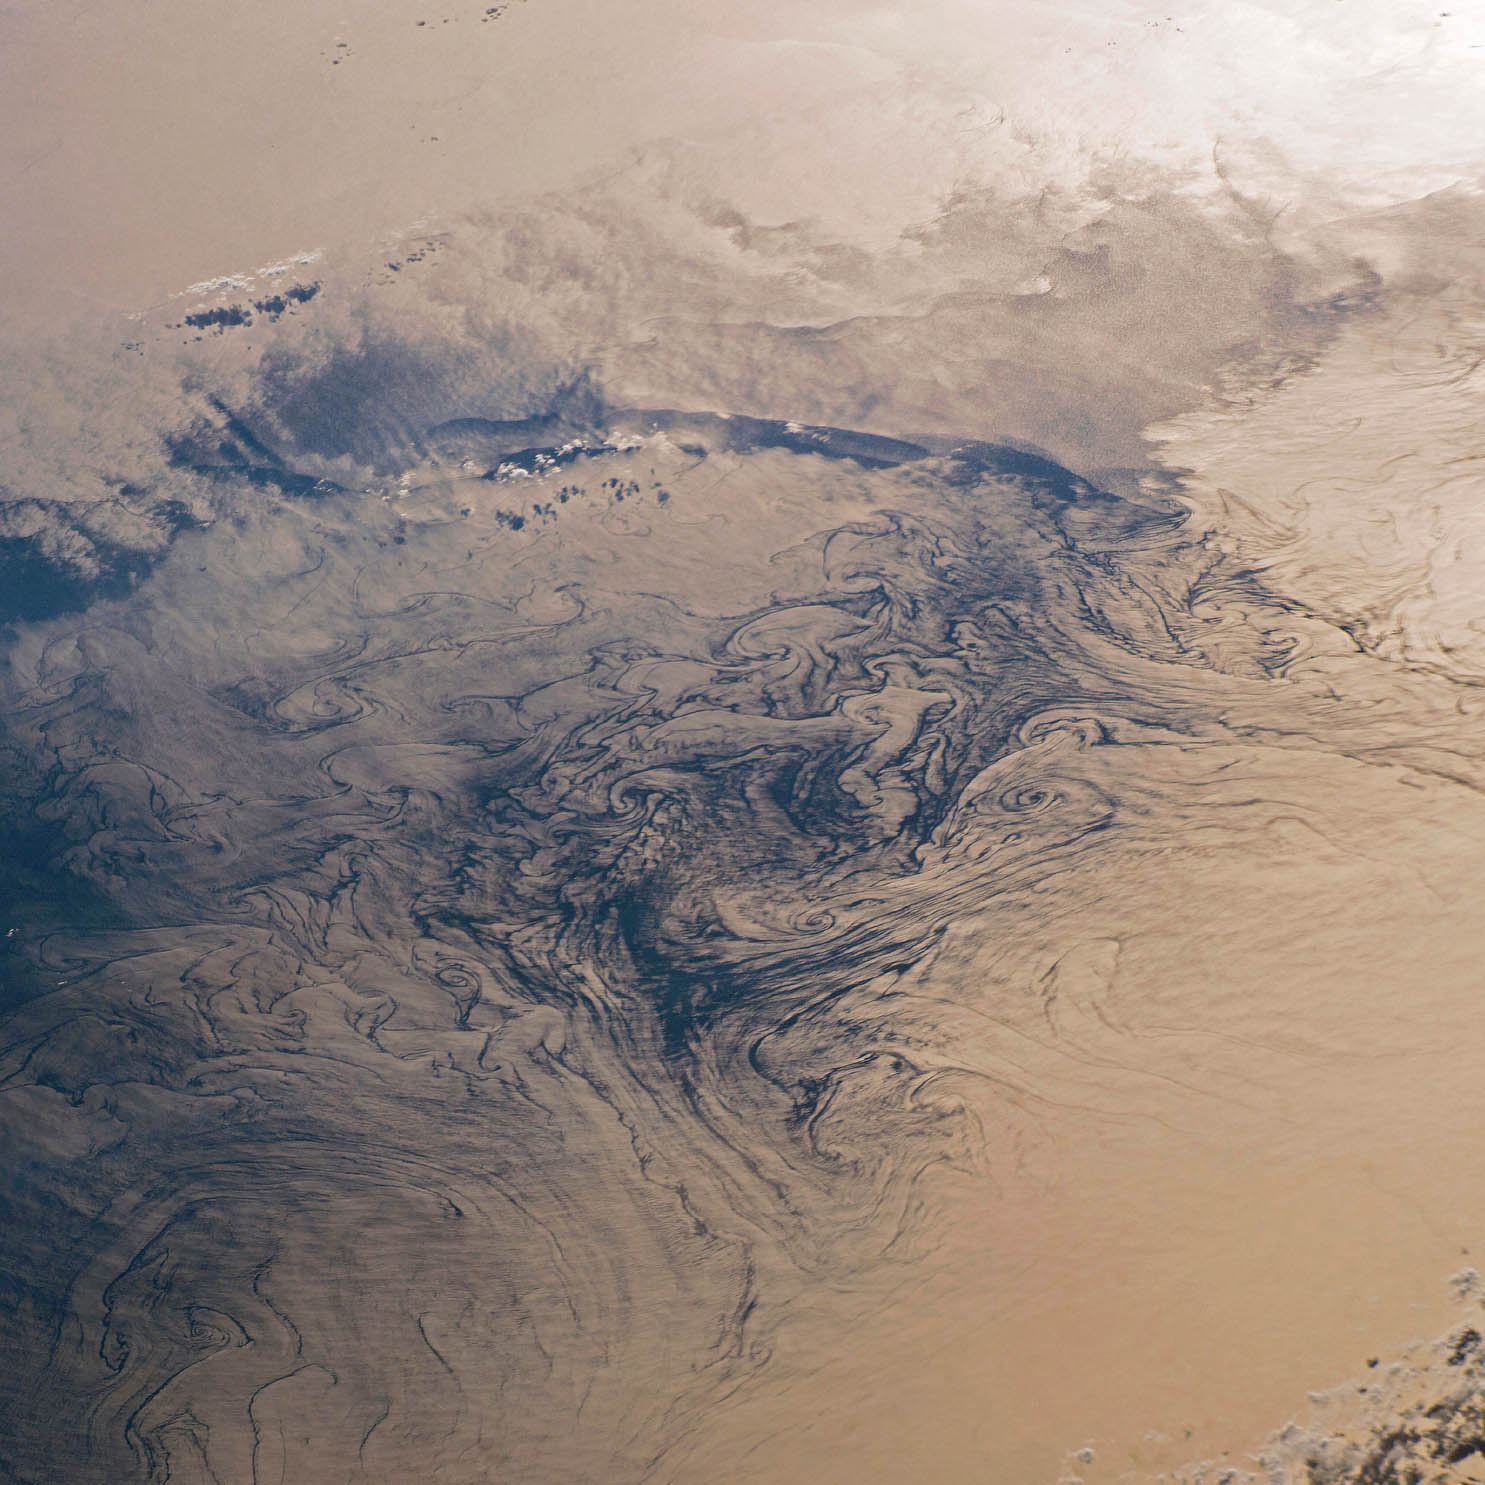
<point>719,948</point>
<point>776,776</point>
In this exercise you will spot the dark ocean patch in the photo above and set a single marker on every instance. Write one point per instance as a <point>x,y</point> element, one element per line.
<point>271,307</point>
<point>44,578</point>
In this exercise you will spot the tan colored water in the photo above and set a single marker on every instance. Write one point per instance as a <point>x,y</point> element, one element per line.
<point>1195,1055</point>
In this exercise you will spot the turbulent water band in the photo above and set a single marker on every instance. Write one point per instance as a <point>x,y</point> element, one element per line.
<point>534,968</point>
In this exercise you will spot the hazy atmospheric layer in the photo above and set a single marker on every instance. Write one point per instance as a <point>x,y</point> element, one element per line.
<point>554,938</point>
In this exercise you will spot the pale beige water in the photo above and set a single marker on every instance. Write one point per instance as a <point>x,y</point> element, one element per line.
<point>1227,1069</point>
